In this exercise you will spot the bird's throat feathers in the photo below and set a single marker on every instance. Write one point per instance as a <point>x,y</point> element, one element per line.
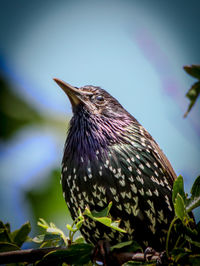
<point>91,134</point>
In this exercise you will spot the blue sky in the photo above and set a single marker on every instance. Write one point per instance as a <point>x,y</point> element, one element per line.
<point>133,49</point>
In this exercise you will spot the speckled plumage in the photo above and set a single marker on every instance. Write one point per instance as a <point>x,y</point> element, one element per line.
<point>109,156</point>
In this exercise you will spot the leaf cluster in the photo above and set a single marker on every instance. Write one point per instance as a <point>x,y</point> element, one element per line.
<point>187,242</point>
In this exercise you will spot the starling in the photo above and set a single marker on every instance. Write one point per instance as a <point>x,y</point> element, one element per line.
<point>110,157</point>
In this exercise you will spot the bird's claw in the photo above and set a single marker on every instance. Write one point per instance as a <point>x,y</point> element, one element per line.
<point>149,253</point>
<point>101,252</point>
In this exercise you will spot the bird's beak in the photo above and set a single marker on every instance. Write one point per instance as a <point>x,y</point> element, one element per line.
<point>73,93</point>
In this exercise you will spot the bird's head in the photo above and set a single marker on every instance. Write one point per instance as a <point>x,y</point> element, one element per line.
<point>93,100</point>
<point>98,121</point>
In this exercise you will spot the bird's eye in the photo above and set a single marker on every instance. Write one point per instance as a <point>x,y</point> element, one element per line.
<point>100,98</point>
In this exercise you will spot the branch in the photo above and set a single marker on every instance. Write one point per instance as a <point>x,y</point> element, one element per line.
<point>27,255</point>
<point>33,255</point>
<point>123,257</point>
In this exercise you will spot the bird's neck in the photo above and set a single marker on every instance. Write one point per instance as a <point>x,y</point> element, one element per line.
<point>91,134</point>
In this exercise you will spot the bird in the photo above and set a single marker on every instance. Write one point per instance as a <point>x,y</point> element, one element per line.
<point>110,157</point>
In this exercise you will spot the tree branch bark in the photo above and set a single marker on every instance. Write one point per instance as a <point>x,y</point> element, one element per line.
<point>27,255</point>
<point>33,255</point>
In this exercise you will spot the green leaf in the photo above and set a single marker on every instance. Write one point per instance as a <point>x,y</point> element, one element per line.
<point>195,243</point>
<point>76,254</point>
<point>192,95</point>
<point>46,238</point>
<point>115,225</point>
<point>79,240</point>
<point>193,70</point>
<point>178,187</point>
<point>42,223</point>
<point>179,207</point>
<point>52,229</point>
<point>104,212</point>
<point>195,191</point>
<point>148,263</point>
<point>121,245</point>
<point>194,200</point>
<point>70,228</point>
<point>104,220</point>
<point>5,246</point>
<point>38,239</point>
<point>79,224</point>
<point>19,236</point>
<point>194,91</point>
<point>107,221</point>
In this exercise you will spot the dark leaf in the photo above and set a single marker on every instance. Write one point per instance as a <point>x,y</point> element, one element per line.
<point>121,245</point>
<point>193,70</point>
<point>198,228</point>
<point>195,243</point>
<point>177,251</point>
<point>194,260</point>
<point>192,95</point>
<point>194,200</point>
<point>195,191</point>
<point>179,254</point>
<point>180,257</point>
<point>19,236</point>
<point>5,232</point>
<point>190,232</point>
<point>128,246</point>
<point>5,246</point>
<point>76,254</point>
<point>134,247</point>
<point>103,213</point>
<point>7,225</point>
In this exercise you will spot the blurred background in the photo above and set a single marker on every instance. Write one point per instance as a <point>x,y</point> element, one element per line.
<point>134,49</point>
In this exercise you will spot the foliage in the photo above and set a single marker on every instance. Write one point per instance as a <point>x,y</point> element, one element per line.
<point>187,244</point>
<point>194,91</point>
<point>13,240</point>
<point>74,251</point>
<point>15,113</point>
